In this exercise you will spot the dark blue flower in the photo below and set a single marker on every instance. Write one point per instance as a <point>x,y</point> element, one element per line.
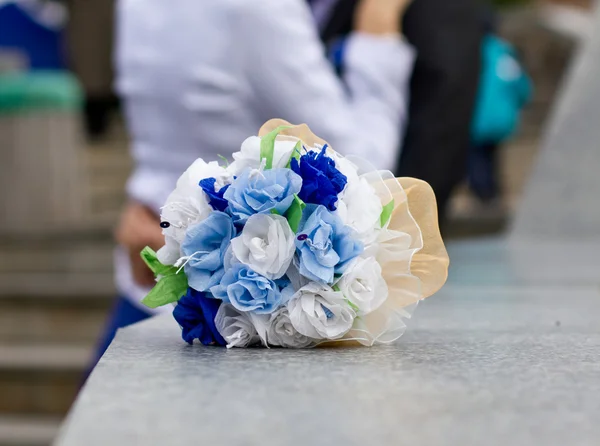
<point>215,198</point>
<point>321,181</point>
<point>196,312</point>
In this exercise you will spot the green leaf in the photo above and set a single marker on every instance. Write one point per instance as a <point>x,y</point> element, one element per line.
<point>149,257</point>
<point>171,285</point>
<point>354,307</point>
<point>386,213</point>
<point>267,145</point>
<point>294,213</point>
<point>296,154</point>
<point>224,159</point>
<point>169,289</point>
<point>275,212</point>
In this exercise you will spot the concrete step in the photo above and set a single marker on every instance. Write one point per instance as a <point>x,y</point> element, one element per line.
<point>45,357</point>
<point>53,319</point>
<point>41,379</point>
<point>55,290</point>
<point>28,431</point>
<point>69,265</point>
<point>52,284</point>
<point>70,252</point>
<point>55,295</point>
<point>46,346</point>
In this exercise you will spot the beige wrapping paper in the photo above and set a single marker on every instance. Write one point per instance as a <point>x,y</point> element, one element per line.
<point>430,263</point>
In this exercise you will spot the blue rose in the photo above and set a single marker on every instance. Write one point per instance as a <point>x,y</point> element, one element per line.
<point>215,197</point>
<point>247,290</point>
<point>196,312</point>
<point>324,245</point>
<point>321,181</point>
<point>205,245</point>
<point>256,192</point>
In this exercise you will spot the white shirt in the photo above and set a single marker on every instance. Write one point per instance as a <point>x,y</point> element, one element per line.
<point>198,77</point>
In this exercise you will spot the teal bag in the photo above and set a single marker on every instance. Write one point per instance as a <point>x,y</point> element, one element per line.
<point>504,89</point>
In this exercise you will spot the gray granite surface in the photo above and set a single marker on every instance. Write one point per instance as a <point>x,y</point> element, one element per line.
<point>478,366</point>
<point>516,261</point>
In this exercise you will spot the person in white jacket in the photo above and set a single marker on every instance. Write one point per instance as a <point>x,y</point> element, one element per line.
<point>198,77</point>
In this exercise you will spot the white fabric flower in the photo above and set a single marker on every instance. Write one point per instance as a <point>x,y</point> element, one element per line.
<point>282,333</point>
<point>266,245</point>
<point>240,329</point>
<point>319,312</point>
<point>360,208</point>
<point>188,205</point>
<point>249,154</point>
<point>363,285</point>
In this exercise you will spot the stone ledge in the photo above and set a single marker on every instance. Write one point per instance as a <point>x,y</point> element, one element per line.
<point>474,367</point>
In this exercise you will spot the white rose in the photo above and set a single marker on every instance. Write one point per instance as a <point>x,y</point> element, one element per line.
<point>266,245</point>
<point>360,208</point>
<point>249,154</point>
<point>282,333</point>
<point>363,285</point>
<point>188,205</point>
<point>238,328</point>
<point>319,312</point>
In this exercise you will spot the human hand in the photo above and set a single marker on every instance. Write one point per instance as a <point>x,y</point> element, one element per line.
<point>139,227</point>
<point>380,17</point>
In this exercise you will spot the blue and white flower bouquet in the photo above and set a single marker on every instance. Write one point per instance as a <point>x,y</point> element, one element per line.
<point>294,245</point>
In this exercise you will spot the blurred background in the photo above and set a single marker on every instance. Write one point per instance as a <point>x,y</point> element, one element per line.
<point>64,162</point>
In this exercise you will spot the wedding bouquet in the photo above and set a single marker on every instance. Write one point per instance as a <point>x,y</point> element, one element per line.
<point>294,245</point>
